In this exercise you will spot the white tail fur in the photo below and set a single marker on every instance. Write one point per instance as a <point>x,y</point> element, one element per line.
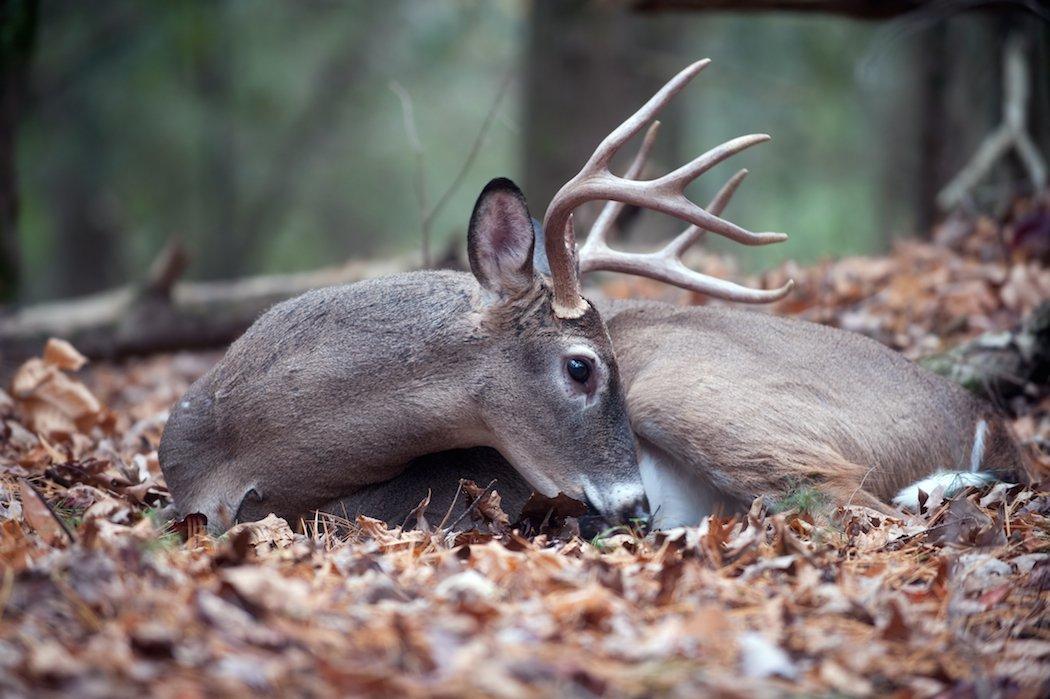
<point>951,482</point>
<point>977,453</point>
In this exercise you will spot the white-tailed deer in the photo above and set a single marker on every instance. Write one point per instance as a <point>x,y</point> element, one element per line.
<point>340,388</point>
<point>728,405</point>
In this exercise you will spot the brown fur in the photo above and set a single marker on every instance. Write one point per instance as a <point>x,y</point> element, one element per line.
<point>759,404</point>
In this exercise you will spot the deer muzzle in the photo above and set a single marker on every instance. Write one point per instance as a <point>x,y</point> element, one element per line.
<point>616,504</point>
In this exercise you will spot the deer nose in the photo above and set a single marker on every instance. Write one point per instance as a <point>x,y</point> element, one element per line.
<point>617,508</point>
<point>636,512</point>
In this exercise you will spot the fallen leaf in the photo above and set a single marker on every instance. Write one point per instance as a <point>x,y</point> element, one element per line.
<point>39,516</point>
<point>63,355</point>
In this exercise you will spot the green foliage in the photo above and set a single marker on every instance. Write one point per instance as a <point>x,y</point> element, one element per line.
<point>263,133</point>
<point>71,516</point>
<point>165,540</point>
<point>804,499</point>
<point>636,529</point>
<point>18,22</point>
<point>599,540</point>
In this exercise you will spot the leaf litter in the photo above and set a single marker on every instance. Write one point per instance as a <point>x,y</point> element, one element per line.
<point>100,597</point>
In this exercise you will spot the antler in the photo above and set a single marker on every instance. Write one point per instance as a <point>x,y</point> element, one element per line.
<point>664,194</point>
<point>666,264</point>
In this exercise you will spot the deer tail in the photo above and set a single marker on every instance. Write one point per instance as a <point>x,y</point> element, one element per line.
<point>995,455</point>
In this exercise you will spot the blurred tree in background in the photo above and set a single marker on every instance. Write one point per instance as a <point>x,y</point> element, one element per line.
<point>18,19</point>
<point>263,133</point>
<point>267,136</point>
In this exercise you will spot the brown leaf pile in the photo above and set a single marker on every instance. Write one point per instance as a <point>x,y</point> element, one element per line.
<point>98,599</point>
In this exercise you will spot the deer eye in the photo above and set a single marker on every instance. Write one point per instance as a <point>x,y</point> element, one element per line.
<point>579,369</point>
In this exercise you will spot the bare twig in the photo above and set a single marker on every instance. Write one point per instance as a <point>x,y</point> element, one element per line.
<point>860,485</point>
<point>475,148</point>
<point>473,504</point>
<point>452,506</point>
<point>167,268</point>
<point>412,133</point>
<point>1011,133</point>
<point>30,489</point>
<point>428,214</point>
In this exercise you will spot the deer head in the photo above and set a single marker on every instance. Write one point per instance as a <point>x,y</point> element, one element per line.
<point>549,389</point>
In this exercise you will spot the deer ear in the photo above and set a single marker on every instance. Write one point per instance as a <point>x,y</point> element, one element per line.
<point>539,252</point>
<point>500,239</point>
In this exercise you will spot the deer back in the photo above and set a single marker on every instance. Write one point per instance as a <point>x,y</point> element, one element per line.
<point>753,404</point>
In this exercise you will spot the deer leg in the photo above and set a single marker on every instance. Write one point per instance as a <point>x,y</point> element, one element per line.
<point>438,476</point>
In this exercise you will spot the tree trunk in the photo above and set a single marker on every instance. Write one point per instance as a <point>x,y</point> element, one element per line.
<point>160,314</point>
<point>589,66</point>
<point>213,74</point>
<point>18,20</point>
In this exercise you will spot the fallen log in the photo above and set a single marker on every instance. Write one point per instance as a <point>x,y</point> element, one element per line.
<point>1003,365</point>
<point>162,314</point>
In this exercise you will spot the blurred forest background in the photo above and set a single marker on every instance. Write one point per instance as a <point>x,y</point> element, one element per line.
<point>274,136</point>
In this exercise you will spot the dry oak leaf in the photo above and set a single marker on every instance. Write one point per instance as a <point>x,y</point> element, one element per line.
<point>271,531</point>
<point>264,588</point>
<point>38,515</point>
<point>540,508</point>
<point>52,401</point>
<point>63,355</point>
<point>50,659</point>
<point>487,505</point>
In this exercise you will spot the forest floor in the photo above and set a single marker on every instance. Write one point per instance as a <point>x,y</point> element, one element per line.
<point>98,598</point>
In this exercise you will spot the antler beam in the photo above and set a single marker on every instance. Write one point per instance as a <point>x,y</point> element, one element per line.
<point>665,194</point>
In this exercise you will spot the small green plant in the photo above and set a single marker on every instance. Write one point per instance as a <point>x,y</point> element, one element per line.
<point>636,529</point>
<point>71,516</point>
<point>164,541</point>
<point>804,499</point>
<point>640,524</point>
<point>598,541</point>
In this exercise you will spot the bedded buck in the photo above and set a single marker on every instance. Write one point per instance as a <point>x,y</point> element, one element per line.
<point>335,391</point>
<point>727,405</point>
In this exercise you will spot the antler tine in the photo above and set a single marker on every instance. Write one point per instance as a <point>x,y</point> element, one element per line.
<point>666,264</point>
<point>599,232</point>
<point>684,240</point>
<point>634,123</point>
<point>567,300</point>
<point>666,193</point>
<point>722,197</point>
<point>684,175</point>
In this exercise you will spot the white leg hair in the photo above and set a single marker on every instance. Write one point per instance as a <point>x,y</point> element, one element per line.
<point>951,481</point>
<point>977,453</point>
